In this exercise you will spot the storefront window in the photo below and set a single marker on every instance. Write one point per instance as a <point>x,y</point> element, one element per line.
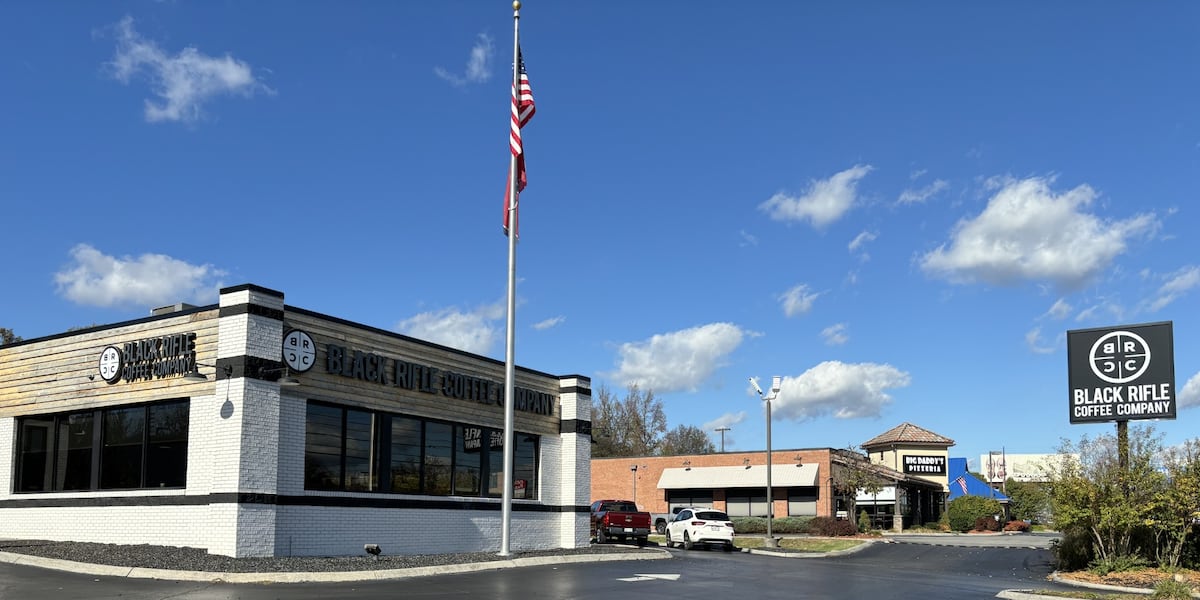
<point>468,454</point>
<point>129,447</point>
<point>438,450</point>
<point>415,456</point>
<point>406,455</point>
<point>75,439</point>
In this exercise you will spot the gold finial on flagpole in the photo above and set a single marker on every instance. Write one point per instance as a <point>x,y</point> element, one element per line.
<point>516,4</point>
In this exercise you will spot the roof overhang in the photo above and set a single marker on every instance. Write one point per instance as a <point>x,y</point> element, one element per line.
<point>754,476</point>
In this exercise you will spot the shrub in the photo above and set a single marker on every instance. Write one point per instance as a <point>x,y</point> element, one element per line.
<point>988,523</point>
<point>864,522</point>
<point>831,527</point>
<point>746,525</point>
<point>1170,589</point>
<point>792,525</point>
<point>1072,551</point>
<point>749,525</point>
<point>1116,564</point>
<point>1016,526</point>
<point>964,510</point>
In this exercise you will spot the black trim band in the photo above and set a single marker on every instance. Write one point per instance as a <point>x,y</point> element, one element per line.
<point>575,389</point>
<point>251,309</point>
<point>580,426</point>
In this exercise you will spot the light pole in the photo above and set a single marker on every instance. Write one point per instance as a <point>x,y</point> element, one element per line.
<point>776,383</point>
<point>722,430</point>
<point>633,470</point>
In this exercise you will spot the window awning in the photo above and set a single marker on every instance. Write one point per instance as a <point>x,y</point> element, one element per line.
<point>755,476</point>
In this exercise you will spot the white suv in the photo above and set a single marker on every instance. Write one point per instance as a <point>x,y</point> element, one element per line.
<point>699,525</point>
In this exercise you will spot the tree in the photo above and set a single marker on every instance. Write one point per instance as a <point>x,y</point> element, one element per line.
<point>1028,500</point>
<point>632,426</point>
<point>8,337</point>
<point>854,473</point>
<point>686,439</point>
<point>1177,505</point>
<point>1094,495</point>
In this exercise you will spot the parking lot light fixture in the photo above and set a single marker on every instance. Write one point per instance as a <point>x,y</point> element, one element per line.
<point>776,384</point>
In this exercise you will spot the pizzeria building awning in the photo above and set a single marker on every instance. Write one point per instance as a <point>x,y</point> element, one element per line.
<point>788,475</point>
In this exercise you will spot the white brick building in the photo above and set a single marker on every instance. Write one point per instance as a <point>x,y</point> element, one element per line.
<point>307,436</point>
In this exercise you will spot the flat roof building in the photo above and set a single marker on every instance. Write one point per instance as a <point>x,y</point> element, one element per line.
<point>252,428</point>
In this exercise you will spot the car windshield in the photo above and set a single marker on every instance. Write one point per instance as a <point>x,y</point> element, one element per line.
<point>712,515</point>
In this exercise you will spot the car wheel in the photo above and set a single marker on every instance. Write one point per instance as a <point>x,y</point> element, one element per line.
<point>641,542</point>
<point>600,537</point>
<point>687,541</point>
<point>669,543</point>
<point>728,547</point>
<point>661,526</point>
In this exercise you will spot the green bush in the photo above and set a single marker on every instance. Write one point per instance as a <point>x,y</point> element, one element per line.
<point>864,522</point>
<point>1169,589</point>
<point>1117,564</point>
<point>1073,550</point>
<point>742,525</point>
<point>747,525</point>
<point>964,510</point>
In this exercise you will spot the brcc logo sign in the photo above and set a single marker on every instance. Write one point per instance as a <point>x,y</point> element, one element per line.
<point>1120,356</point>
<point>1121,373</point>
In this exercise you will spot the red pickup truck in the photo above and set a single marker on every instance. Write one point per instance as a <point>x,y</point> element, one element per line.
<point>621,520</point>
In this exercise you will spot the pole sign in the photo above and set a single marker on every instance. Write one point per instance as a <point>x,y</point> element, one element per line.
<point>1121,373</point>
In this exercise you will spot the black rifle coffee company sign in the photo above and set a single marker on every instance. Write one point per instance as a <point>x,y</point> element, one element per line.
<point>1121,373</point>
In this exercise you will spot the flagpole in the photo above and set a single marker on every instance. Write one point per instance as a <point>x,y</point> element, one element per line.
<point>510,341</point>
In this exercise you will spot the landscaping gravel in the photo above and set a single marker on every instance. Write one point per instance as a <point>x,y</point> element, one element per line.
<point>195,559</point>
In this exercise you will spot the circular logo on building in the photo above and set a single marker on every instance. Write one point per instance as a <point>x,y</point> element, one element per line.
<point>1119,356</point>
<point>111,363</point>
<point>299,351</point>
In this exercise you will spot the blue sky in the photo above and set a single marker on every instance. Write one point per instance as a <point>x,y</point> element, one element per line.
<point>900,209</point>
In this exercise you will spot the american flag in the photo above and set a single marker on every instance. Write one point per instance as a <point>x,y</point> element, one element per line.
<point>522,111</point>
<point>962,483</point>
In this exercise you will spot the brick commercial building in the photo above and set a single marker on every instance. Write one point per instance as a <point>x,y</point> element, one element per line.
<point>908,461</point>
<point>251,428</point>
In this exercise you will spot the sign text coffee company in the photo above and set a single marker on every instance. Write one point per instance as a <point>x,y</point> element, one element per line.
<point>1121,373</point>
<point>376,368</point>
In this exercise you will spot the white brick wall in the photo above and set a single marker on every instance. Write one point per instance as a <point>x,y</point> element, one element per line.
<point>8,451</point>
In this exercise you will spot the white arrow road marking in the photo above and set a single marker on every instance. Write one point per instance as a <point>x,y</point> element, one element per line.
<point>651,577</point>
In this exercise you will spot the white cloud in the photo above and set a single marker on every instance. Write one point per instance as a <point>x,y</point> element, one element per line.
<point>479,65</point>
<point>1029,232</point>
<point>1033,339</point>
<point>798,300</point>
<point>861,239</point>
<point>1180,283</point>
<point>845,391</point>
<point>548,323</point>
<point>680,360</point>
<point>918,196</point>
<point>1189,396</point>
<point>748,239</point>
<point>475,331</point>
<point>150,280</point>
<point>183,82</point>
<point>825,201</point>
<point>835,335</point>
<point>1060,310</point>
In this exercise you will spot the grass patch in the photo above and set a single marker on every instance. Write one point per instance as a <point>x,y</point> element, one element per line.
<point>798,544</point>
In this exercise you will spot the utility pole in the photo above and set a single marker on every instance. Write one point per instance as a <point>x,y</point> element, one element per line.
<point>722,430</point>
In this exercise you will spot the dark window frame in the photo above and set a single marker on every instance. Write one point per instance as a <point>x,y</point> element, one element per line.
<point>382,466</point>
<point>57,465</point>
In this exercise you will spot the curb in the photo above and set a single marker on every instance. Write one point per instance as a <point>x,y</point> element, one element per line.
<point>309,576</point>
<point>865,543</point>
